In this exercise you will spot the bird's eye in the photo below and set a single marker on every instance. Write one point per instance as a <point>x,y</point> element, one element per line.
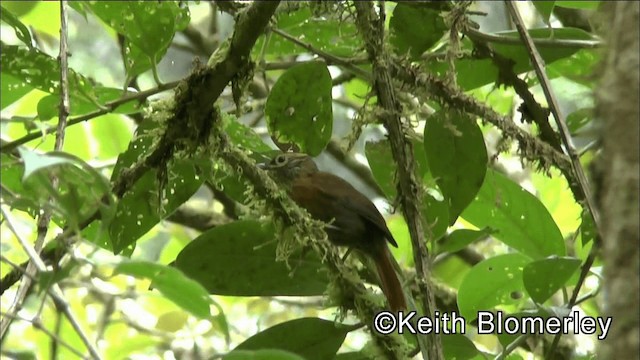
<point>280,160</point>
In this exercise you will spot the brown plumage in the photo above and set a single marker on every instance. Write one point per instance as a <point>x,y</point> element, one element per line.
<point>353,219</point>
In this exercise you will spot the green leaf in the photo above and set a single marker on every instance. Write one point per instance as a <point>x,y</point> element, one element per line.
<point>111,134</point>
<point>519,218</point>
<point>519,53</point>
<point>542,278</point>
<point>311,338</point>
<point>238,259</point>
<point>473,73</point>
<point>383,168</point>
<point>591,4</point>
<point>494,281</point>
<point>142,206</point>
<point>22,32</point>
<point>40,71</point>
<point>458,346</point>
<point>172,283</point>
<point>12,89</point>
<point>327,32</point>
<point>588,229</point>
<point>506,338</point>
<point>34,161</point>
<point>437,214</point>
<point>415,29</point>
<point>457,158</point>
<point>579,118</point>
<point>578,67</point>
<point>545,8</point>
<point>353,355</point>
<point>299,107</point>
<point>79,191</point>
<point>264,354</point>
<point>461,238</point>
<point>244,136</point>
<point>148,28</point>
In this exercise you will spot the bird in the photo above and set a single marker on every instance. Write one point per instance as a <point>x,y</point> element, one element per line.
<point>352,219</point>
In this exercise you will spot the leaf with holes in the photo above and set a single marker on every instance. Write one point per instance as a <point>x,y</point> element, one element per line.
<point>327,32</point>
<point>494,281</point>
<point>28,69</point>
<point>542,278</point>
<point>519,219</point>
<point>457,158</point>
<point>239,259</point>
<point>148,28</point>
<point>299,107</point>
<point>140,207</point>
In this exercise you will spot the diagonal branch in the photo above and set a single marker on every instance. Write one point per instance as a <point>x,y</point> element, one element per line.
<point>371,28</point>
<point>193,103</point>
<point>538,66</point>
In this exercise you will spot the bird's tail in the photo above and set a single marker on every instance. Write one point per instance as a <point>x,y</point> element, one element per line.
<point>389,281</point>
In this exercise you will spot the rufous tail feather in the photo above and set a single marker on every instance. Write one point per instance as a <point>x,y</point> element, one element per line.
<point>389,281</point>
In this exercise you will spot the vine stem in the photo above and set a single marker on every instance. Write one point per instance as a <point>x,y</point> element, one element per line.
<point>545,83</point>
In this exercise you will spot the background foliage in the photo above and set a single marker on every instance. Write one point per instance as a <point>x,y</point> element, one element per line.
<point>180,262</point>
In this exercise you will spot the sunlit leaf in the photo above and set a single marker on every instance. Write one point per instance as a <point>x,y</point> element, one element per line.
<point>172,283</point>
<point>494,281</point>
<point>519,218</point>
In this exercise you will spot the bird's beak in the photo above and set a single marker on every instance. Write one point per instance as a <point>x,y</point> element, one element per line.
<point>263,166</point>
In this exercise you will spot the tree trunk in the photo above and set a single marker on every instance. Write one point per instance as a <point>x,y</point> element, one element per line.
<point>617,107</point>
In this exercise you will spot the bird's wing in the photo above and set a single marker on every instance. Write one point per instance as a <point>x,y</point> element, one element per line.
<point>352,200</point>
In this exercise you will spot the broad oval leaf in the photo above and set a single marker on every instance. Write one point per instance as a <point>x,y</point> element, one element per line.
<point>238,259</point>
<point>494,281</point>
<point>542,278</point>
<point>519,218</point>
<point>299,107</point>
<point>457,158</point>
<point>311,338</point>
<point>172,283</point>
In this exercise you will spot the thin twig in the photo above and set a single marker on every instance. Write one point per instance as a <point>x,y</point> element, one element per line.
<point>348,64</point>
<point>108,107</point>
<point>547,43</point>
<point>54,292</point>
<point>53,336</point>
